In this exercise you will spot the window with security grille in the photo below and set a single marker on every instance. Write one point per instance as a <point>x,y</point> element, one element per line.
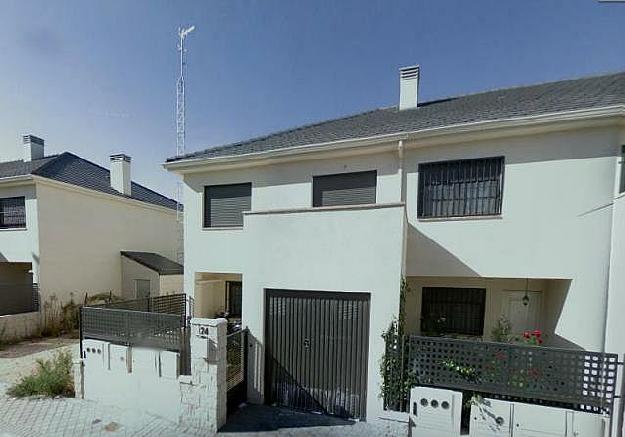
<point>447,310</point>
<point>466,187</point>
<point>12,213</point>
<point>224,204</point>
<point>344,189</point>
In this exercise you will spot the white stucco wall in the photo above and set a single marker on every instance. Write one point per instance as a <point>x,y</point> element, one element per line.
<point>22,245</point>
<point>555,222</point>
<point>83,232</point>
<point>131,271</point>
<point>555,226</point>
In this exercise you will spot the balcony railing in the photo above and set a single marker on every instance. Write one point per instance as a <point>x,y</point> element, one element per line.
<point>18,299</point>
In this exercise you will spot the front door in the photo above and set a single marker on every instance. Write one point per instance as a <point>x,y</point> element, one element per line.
<point>317,351</point>
<point>142,288</point>
<point>522,317</point>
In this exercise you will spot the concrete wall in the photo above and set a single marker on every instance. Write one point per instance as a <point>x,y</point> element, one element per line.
<point>83,232</point>
<point>19,325</point>
<point>555,225</point>
<point>22,245</point>
<point>171,284</point>
<point>149,380</point>
<point>555,221</point>
<point>131,271</point>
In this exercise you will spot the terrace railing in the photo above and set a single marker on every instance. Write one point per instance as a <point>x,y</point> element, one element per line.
<point>160,322</point>
<point>18,299</point>
<point>575,379</point>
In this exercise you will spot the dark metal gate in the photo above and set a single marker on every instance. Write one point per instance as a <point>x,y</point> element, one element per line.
<point>317,351</point>
<point>236,356</point>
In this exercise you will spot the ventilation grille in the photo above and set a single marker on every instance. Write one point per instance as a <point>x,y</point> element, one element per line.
<point>409,73</point>
<point>26,139</point>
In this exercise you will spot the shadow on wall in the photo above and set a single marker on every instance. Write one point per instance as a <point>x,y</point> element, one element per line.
<point>438,261</point>
<point>556,297</point>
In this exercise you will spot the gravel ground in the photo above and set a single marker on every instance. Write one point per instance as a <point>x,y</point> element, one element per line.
<point>20,359</point>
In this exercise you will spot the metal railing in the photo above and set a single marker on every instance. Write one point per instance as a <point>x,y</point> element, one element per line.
<point>158,322</point>
<point>574,379</point>
<point>236,357</point>
<point>18,299</point>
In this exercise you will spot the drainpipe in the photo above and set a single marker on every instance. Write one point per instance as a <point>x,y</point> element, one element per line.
<point>402,185</point>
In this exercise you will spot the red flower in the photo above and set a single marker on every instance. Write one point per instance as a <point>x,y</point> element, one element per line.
<point>526,334</point>
<point>537,333</point>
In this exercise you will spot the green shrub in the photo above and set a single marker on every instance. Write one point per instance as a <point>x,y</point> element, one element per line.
<point>50,378</point>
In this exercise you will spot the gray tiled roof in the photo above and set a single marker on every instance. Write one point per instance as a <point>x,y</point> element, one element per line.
<point>74,170</point>
<point>564,95</point>
<point>156,262</point>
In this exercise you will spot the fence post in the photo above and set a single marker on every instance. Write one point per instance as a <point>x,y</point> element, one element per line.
<point>204,400</point>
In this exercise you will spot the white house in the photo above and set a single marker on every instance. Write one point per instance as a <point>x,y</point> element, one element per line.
<point>64,222</point>
<point>502,203</point>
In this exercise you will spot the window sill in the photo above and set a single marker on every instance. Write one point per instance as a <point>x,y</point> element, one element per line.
<point>461,218</point>
<point>223,228</point>
<point>13,229</point>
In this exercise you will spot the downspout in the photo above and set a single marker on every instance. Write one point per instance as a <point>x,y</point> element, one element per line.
<point>400,170</point>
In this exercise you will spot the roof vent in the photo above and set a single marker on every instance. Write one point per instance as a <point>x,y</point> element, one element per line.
<point>409,87</point>
<point>33,147</point>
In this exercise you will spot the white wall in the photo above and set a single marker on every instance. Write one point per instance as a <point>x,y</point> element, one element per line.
<point>555,221</point>
<point>131,271</point>
<point>555,225</point>
<point>82,234</point>
<point>22,245</point>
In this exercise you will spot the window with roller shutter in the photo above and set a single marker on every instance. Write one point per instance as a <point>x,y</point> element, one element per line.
<point>345,189</point>
<point>224,204</point>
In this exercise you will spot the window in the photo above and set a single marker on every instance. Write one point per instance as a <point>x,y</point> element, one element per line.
<point>453,310</point>
<point>224,204</point>
<point>234,298</point>
<point>467,187</point>
<point>344,189</point>
<point>12,213</point>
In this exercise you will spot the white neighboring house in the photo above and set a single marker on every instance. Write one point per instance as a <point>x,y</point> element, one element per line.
<point>146,274</point>
<point>502,203</point>
<point>64,222</point>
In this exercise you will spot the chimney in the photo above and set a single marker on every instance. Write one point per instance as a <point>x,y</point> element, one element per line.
<point>33,147</point>
<point>120,173</point>
<point>409,87</point>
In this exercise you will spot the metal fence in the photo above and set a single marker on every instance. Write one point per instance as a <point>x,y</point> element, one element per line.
<point>579,380</point>
<point>159,322</point>
<point>236,355</point>
<point>18,299</point>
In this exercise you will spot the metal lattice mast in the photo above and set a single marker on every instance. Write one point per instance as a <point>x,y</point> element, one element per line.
<point>180,134</point>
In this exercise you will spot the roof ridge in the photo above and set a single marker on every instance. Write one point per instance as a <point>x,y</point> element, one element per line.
<point>108,170</point>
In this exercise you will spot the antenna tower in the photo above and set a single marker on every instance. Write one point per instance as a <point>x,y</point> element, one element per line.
<point>180,134</point>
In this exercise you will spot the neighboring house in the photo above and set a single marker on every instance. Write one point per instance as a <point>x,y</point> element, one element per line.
<point>146,274</point>
<point>502,203</point>
<point>65,220</point>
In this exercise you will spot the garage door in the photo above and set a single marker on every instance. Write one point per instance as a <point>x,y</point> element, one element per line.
<point>317,346</point>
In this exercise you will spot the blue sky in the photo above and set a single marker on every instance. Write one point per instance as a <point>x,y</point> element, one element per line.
<point>98,77</point>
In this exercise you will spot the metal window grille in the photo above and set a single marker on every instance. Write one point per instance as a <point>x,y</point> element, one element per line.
<point>468,187</point>
<point>18,298</point>
<point>224,204</point>
<point>345,189</point>
<point>234,298</point>
<point>453,310</point>
<point>12,213</point>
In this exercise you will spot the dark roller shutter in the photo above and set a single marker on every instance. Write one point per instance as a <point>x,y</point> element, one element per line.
<point>344,189</point>
<point>224,204</point>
